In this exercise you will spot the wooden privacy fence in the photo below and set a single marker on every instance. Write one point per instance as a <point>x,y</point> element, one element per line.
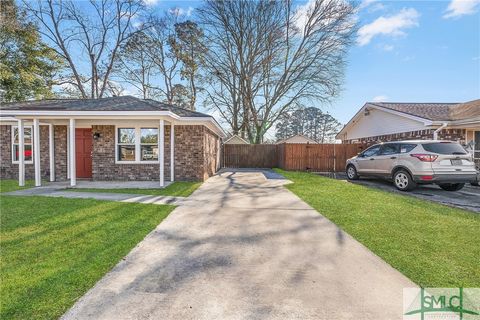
<point>301,157</point>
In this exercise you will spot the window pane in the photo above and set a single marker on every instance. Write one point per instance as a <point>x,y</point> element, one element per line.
<point>27,131</point>
<point>390,149</point>
<point>28,152</point>
<point>28,135</point>
<point>444,148</point>
<point>372,151</point>
<point>149,135</point>
<point>149,153</point>
<point>126,153</point>
<point>15,135</point>
<point>126,135</point>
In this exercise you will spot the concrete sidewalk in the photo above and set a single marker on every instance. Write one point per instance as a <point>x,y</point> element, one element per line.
<point>244,247</point>
<point>122,197</point>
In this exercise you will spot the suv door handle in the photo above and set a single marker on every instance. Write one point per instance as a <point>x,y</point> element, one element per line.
<point>372,158</point>
<point>393,157</point>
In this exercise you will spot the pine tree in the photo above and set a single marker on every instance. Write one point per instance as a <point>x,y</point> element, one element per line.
<point>27,65</point>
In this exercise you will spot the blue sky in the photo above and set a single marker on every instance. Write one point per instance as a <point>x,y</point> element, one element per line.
<point>406,51</point>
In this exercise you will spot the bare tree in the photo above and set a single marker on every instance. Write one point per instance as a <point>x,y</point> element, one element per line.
<point>135,66</point>
<point>273,56</point>
<point>87,34</point>
<point>159,50</point>
<point>188,46</point>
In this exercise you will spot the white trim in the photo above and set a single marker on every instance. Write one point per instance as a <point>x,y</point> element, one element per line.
<point>426,122</point>
<point>51,150</point>
<point>172,152</point>
<point>13,127</point>
<point>21,154</point>
<point>137,144</point>
<point>112,115</point>
<point>36,152</point>
<point>161,152</point>
<point>73,172</point>
<point>68,152</point>
<point>236,136</point>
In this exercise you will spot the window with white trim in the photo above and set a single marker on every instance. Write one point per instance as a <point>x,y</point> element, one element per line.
<point>138,144</point>
<point>148,144</point>
<point>27,140</point>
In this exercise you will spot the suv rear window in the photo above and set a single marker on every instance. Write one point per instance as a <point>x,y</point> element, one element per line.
<point>444,148</point>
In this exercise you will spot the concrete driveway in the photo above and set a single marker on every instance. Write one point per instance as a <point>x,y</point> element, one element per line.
<point>244,247</point>
<point>468,198</point>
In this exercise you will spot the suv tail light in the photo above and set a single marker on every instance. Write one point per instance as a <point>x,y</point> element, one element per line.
<point>424,157</point>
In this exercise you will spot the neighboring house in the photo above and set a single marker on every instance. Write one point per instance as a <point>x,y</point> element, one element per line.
<point>118,138</point>
<point>298,138</point>
<point>235,139</point>
<point>382,121</point>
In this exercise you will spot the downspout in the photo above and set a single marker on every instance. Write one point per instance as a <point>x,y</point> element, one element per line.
<point>435,133</point>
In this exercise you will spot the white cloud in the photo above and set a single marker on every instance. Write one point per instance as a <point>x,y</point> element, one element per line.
<point>365,3</point>
<point>458,8</point>
<point>380,98</point>
<point>150,3</point>
<point>182,11</point>
<point>392,25</point>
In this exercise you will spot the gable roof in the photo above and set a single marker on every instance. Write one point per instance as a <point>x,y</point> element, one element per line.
<point>235,136</point>
<point>428,113</point>
<point>301,136</point>
<point>123,103</point>
<point>435,111</point>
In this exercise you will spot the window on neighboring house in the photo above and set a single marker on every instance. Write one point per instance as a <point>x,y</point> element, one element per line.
<point>126,144</point>
<point>137,144</point>
<point>149,144</point>
<point>27,144</point>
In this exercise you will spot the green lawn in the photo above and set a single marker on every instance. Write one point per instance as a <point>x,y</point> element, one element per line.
<point>7,185</point>
<point>432,244</point>
<point>54,249</point>
<point>176,189</point>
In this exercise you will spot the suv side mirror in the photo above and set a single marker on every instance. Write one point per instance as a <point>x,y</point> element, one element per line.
<point>360,154</point>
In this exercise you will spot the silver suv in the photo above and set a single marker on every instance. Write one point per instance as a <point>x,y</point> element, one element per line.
<point>409,163</point>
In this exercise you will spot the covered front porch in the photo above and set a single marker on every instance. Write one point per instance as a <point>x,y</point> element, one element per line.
<point>123,151</point>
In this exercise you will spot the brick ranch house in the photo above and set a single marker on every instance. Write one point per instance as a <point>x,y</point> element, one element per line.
<point>117,138</point>
<point>382,121</point>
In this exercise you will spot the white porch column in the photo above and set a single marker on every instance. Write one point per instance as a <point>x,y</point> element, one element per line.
<point>36,152</point>
<point>172,152</point>
<point>51,151</point>
<point>161,152</point>
<point>71,138</point>
<point>21,154</point>
<point>68,152</point>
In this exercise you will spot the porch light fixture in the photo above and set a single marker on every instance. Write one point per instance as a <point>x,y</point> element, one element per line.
<point>96,135</point>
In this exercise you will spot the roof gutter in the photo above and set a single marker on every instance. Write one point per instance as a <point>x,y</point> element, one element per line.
<point>435,133</point>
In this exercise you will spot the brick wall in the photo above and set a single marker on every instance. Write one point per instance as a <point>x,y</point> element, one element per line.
<point>103,159</point>
<point>9,170</point>
<point>189,158</point>
<point>196,152</point>
<point>211,150</point>
<point>446,134</point>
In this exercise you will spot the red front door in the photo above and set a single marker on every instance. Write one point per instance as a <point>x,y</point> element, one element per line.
<point>83,152</point>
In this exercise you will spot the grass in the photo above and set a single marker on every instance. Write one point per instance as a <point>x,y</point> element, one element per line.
<point>8,185</point>
<point>176,189</point>
<point>55,249</point>
<point>432,244</point>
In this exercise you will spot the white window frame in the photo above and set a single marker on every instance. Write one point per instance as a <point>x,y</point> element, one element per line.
<point>137,144</point>
<point>12,143</point>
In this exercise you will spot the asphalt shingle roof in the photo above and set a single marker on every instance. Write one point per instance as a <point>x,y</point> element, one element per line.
<point>435,111</point>
<point>124,103</point>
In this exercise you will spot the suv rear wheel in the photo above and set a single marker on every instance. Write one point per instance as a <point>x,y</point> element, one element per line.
<point>403,181</point>
<point>451,186</point>
<point>352,173</point>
